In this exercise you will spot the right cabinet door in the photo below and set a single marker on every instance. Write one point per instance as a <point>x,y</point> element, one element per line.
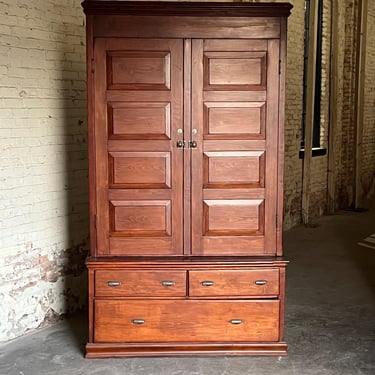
<point>235,90</point>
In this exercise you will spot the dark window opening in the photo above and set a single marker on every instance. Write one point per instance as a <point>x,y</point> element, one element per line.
<point>318,75</point>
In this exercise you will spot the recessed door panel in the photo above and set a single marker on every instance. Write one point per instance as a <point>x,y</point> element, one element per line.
<point>140,170</point>
<point>137,70</point>
<point>233,169</point>
<point>233,217</point>
<point>240,70</point>
<point>228,120</point>
<point>141,218</point>
<point>139,120</point>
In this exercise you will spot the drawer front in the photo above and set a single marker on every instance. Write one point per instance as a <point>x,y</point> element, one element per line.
<point>134,283</point>
<point>262,282</point>
<point>184,321</point>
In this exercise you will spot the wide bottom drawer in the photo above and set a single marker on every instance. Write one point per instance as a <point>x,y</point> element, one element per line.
<point>186,321</point>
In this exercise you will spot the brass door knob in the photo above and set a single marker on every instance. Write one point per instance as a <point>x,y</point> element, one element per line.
<point>193,144</point>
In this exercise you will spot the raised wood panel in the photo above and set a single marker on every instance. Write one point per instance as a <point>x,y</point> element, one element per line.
<point>233,283</point>
<point>233,120</point>
<point>140,170</point>
<point>141,218</point>
<point>139,120</point>
<point>233,169</point>
<point>171,321</point>
<point>233,217</point>
<point>140,283</point>
<point>139,70</point>
<point>234,70</point>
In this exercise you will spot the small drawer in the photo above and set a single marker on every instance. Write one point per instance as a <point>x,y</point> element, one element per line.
<point>140,283</point>
<point>234,283</point>
<point>186,320</point>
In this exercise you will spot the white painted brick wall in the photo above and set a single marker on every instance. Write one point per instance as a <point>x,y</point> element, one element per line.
<point>43,169</point>
<point>293,115</point>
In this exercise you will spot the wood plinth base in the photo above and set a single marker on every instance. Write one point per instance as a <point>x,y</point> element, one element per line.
<point>104,350</point>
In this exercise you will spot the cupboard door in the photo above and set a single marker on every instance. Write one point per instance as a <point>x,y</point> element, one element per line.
<point>138,111</point>
<point>234,164</point>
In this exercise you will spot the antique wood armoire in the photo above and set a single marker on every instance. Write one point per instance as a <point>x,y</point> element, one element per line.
<point>186,113</point>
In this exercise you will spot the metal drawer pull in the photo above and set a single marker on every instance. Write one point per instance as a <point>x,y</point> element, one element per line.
<point>260,282</point>
<point>113,283</point>
<point>207,283</point>
<point>167,283</point>
<point>236,321</point>
<point>138,321</point>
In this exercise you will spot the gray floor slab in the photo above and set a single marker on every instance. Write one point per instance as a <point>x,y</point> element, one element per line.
<point>330,317</point>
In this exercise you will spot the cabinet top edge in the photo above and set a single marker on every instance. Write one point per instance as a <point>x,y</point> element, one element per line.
<point>196,9</point>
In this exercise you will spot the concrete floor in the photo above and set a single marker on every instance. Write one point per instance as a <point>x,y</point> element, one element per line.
<point>330,317</point>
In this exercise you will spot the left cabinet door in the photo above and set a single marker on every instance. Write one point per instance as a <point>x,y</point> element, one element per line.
<point>138,120</point>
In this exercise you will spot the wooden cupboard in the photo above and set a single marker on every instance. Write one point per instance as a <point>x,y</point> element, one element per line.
<point>185,105</point>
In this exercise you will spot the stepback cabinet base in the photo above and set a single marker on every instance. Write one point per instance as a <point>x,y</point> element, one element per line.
<point>185,112</point>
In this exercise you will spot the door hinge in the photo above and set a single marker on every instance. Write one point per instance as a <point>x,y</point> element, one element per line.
<point>277,221</point>
<point>279,67</point>
<point>92,66</point>
<point>95,222</point>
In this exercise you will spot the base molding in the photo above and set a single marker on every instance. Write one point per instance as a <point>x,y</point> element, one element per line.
<point>107,350</point>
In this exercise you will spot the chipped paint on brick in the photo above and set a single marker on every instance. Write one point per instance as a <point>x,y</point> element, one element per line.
<point>38,288</point>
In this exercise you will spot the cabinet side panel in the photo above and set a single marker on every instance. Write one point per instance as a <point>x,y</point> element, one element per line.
<point>281,140</point>
<point>91,133</point>
<point>271,182</point>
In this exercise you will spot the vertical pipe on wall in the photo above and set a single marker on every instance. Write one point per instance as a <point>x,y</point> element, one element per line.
<point>310,98</point>
<point>359,98</point>
<point>333,110</point>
